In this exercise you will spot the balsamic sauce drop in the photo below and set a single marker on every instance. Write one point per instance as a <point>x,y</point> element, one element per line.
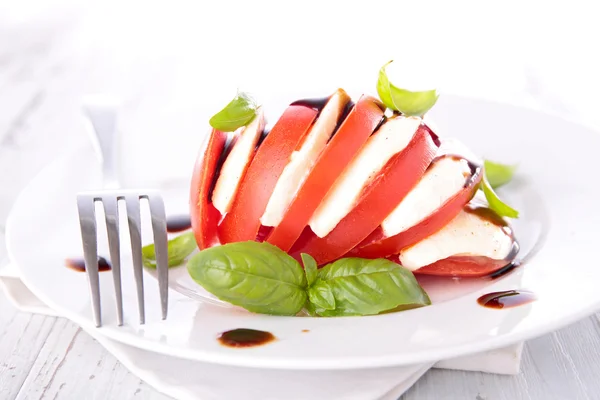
<point>316,103</point>
<point>383,121</point>
<point>487,214</point>
<point>178,223</point>
<point>342,118</point>
<point>506,299</point>
<point>504,270</point>
<point>263,233</point>
<point>78,264</point>
<point>245,338</point>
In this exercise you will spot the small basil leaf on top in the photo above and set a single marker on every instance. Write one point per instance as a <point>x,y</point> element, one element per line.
<point>239,112</point>
<point>383,88</point>
<point>498,174</point>
<point>407,102</point>
<point>494,202</point>
<point>178,249</point>
<point>256,276</point>
<point>366,287</point>
<point>310,268</point>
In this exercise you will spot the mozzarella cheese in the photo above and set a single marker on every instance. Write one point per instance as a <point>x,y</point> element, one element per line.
<point>390,139</point>
<point>235,165</point>
<point>466,235</point>
<point>442,180</point>
<point>302,160</point>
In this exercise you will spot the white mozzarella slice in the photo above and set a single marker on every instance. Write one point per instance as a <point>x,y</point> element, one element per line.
<point>466,235</point>
<point>235,165</point>
<point>390,139</point>
<point>444,178</point>
<point>302,160</point>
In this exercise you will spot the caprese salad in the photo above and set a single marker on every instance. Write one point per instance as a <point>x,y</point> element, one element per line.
<point>337,205</point>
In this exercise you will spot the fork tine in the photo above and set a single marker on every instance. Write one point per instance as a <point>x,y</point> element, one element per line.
<point>87,222</point>
<point>134,220</point>
<point>159,230</point>
<point>111,212</point>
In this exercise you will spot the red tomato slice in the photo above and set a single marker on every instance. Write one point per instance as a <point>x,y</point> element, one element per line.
<point>351,135</point>
<point>377,246</point>
<point>205,217</point>
<point>396,179</point>
<point>243,221</point>
<point>474,265</point>
<point>466,266</point>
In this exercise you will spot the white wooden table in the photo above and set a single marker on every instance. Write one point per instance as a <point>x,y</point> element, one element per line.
<point>52,53</point>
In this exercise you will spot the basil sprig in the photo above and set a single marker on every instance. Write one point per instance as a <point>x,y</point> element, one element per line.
<point>498,174</point>
<point>239,112</point>
<point>178,248</point>
<point>264,279</point>
<point>495,175</point>
<point>256,276</point>
<point>407,102</point>
<point>358,286</point>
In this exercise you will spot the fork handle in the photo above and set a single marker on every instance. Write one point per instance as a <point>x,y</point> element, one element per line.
<point>101,112</point>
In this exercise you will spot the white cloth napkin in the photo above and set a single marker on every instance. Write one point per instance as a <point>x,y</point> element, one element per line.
<point>208,381</point>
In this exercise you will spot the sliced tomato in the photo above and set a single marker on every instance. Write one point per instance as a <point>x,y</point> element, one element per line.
<point>466,266</point>
<point>243,221</point>
<point>376,245</point>
<point>396,179</point>
<point>469,263</point>
<point>351,135</point>
<point>205,217</point>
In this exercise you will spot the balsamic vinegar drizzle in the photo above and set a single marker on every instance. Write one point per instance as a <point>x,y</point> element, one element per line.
<point>505,270</point>
<point>344,114</point>
<point>383,121</point>
<point>476,169</point>
<point>243,337</point>
<point>178,223</point>
<point>78,264</point>
<point>506,299</point>
<point>316,103</point>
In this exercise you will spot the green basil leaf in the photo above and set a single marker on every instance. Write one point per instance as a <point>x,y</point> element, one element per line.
<point>256,276</point>
<point>407,102</point>
<point>239,112</point>
<point>501,208</point>
<point>320,295</point>
<point>310,268</point>
<point>311,309</point>
<point>498,174</point>
<point>366,287</point>
<point>178,249</point>
<point>383,88</point>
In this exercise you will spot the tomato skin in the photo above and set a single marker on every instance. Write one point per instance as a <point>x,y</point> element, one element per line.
<point>205,217</point>
<point>352,134</point>
<point>377,246</point>
<point>464,266</point>
<point>396,179</point>
<point>243,220</point>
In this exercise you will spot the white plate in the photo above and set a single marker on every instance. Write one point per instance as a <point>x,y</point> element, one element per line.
<point>556,177</point>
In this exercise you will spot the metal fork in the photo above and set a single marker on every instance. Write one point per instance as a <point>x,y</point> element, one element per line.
<point>102,114</point>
